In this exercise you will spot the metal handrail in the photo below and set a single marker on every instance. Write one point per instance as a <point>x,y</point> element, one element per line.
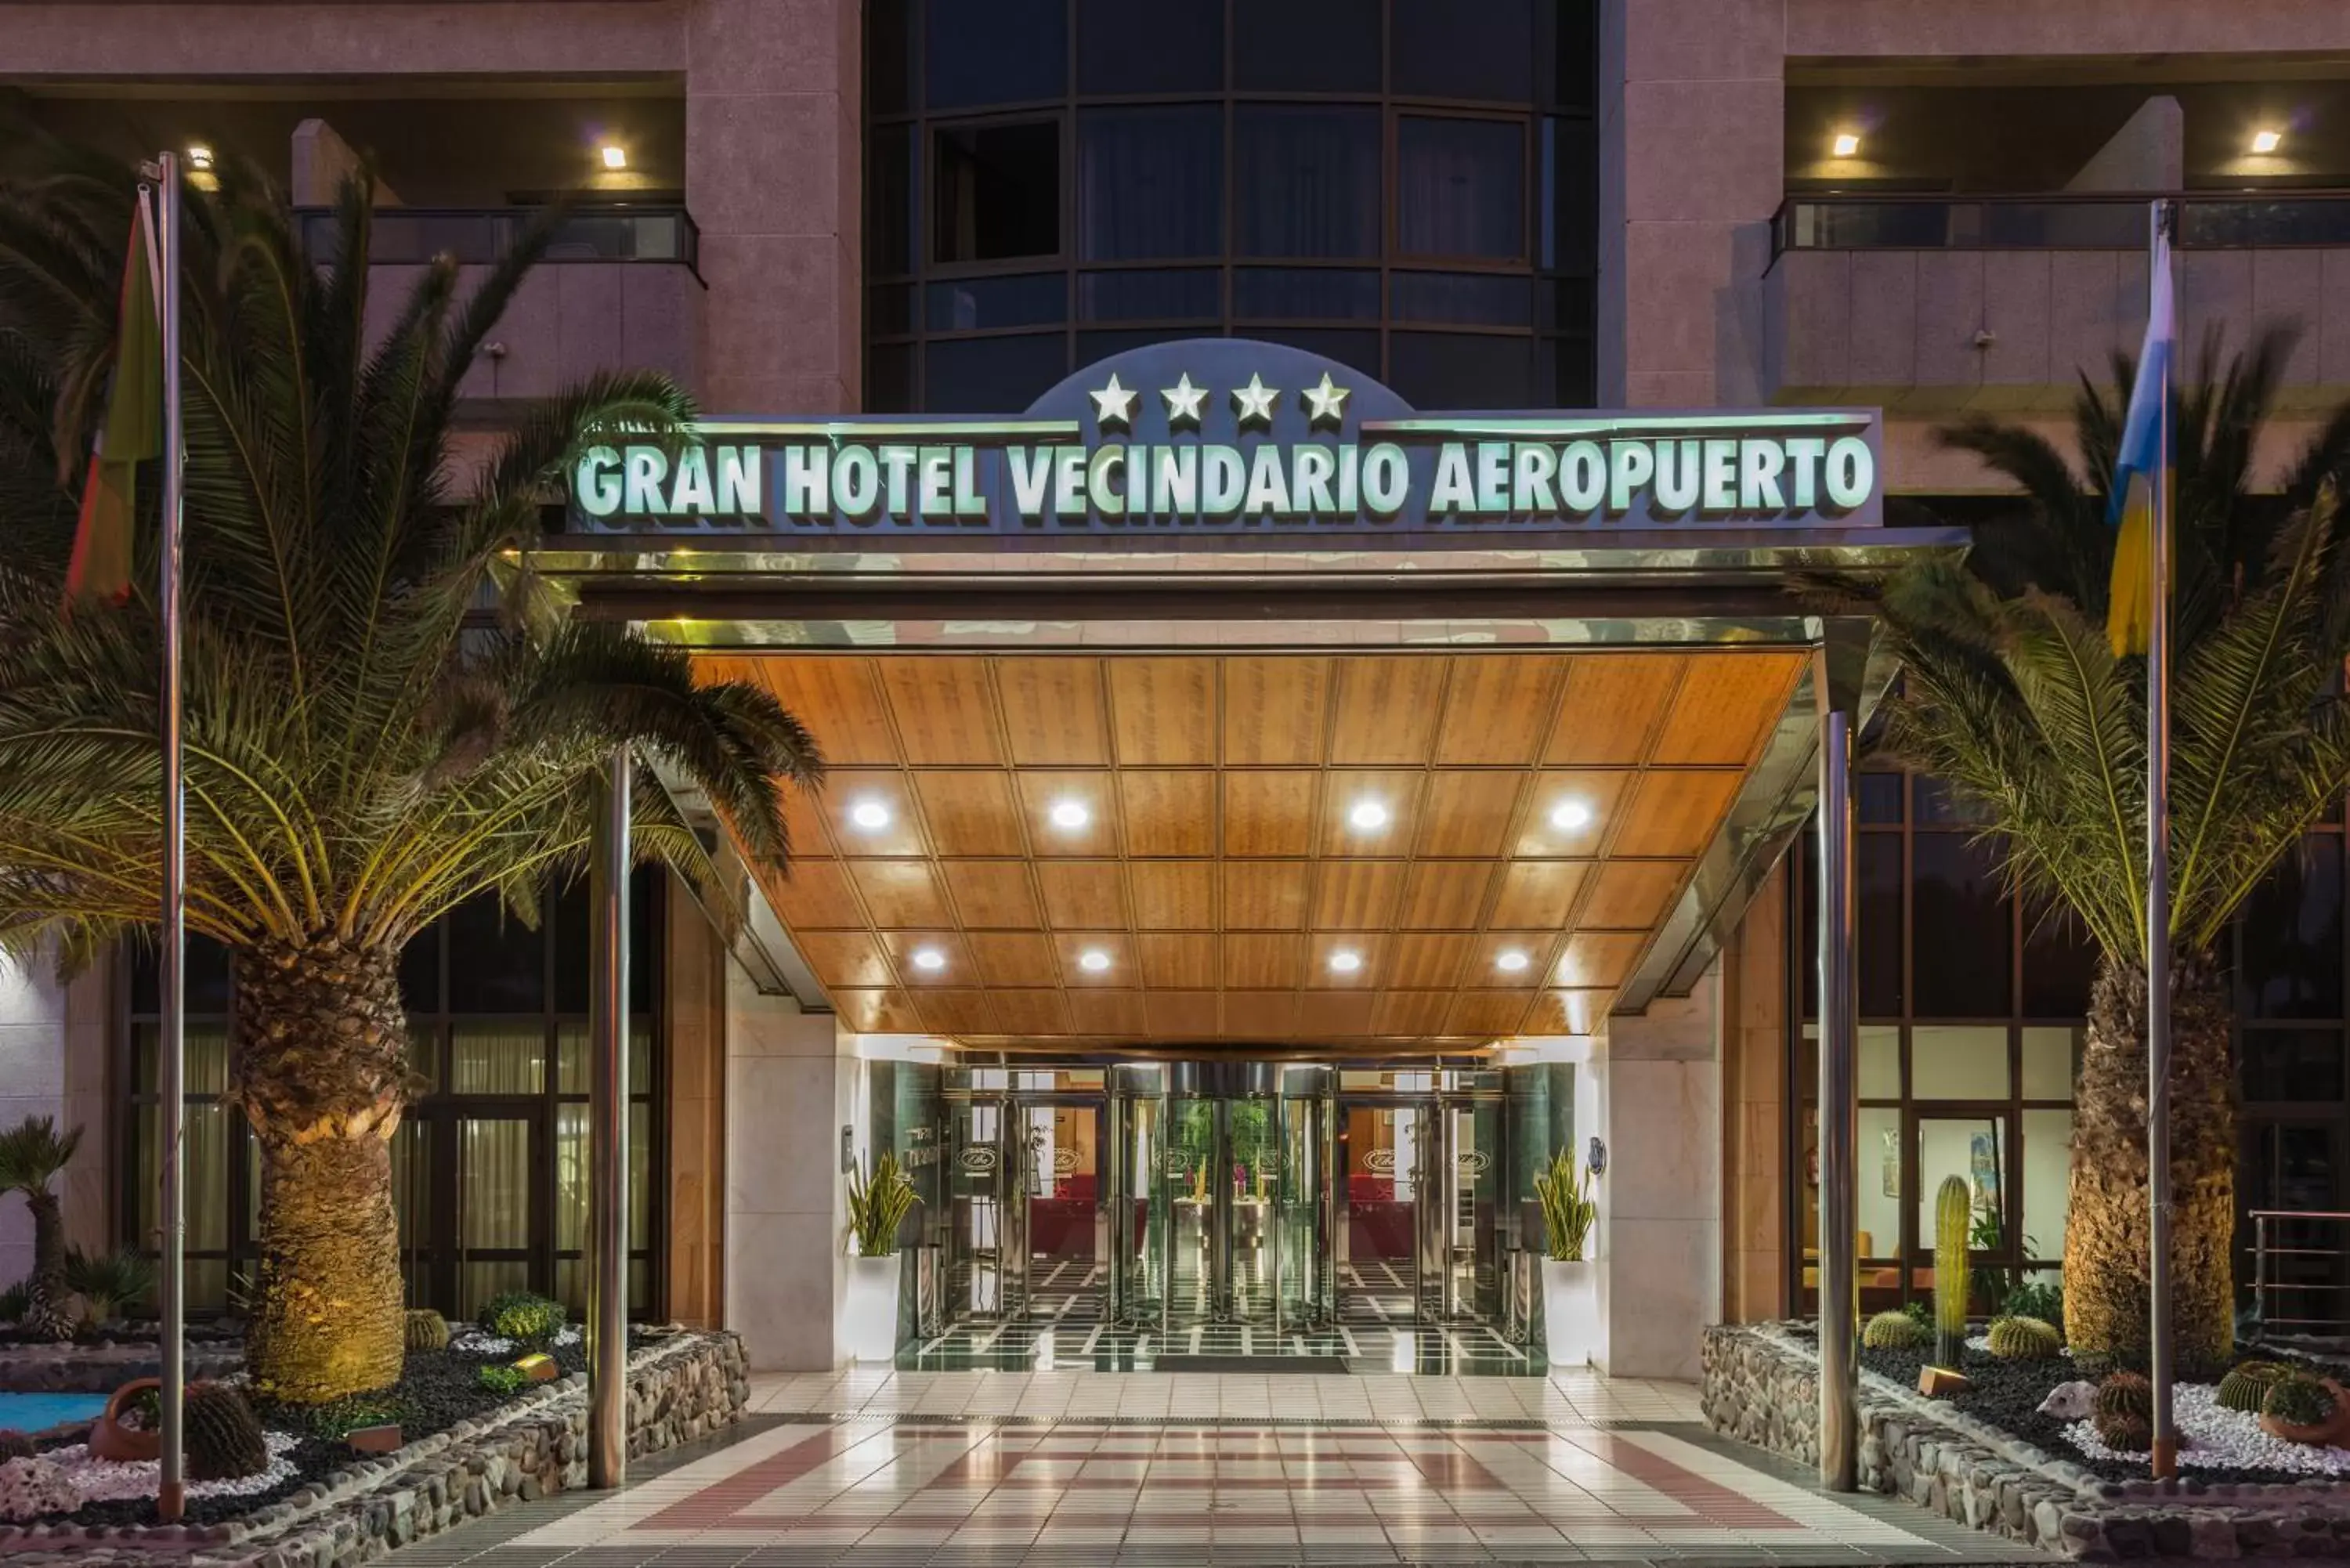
<point>2207,220</point>
<point>605,232</point>
<point>2263,1253</point>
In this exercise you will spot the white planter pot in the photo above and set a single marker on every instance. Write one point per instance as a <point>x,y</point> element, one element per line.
<point>1570,1311</point>
<point>871,1331</point>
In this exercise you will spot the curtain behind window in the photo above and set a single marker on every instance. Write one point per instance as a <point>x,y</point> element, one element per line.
<point>1307,180</point>
<point>1150,183</point>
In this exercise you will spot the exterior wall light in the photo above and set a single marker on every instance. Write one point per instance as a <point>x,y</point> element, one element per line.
<point>2267,141</point>
<point>1848,145</point>
<point>614,155</point>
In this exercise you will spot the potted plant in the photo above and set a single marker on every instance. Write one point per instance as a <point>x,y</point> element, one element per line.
<point>1570,1278</point>
<point>878,1200</point>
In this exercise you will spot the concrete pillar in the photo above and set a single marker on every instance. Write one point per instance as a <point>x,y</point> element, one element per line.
<point>693,1002</point>
<point>789,1087</point>
<point>2148,153</point>
<point>773,165</point>
<point>1755,1105</point>
<point>1660,1083</point>
<point>1692,96</point>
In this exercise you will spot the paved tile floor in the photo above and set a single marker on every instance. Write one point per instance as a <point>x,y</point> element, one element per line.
<point>896,1469</point>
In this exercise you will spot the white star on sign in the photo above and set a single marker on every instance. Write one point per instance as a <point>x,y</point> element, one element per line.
<point>1113,404</point>
<point>1183,401</point>
<point>1255,401</point>
<point>1325,402</point>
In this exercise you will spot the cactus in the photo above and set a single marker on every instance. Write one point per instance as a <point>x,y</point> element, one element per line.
<point>426,1329</point>
<point>2126,1394</point>
<point>2247,1387</point>
<point>1953,1211</point>
<point>1892,1330</point>
<point>2021,1338</point>
<point>2125,1432</point>
<point>223,1436</point>
<point>2297,1399</point>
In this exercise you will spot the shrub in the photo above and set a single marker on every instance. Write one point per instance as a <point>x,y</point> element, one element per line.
<point>499,1378</point>
<point>2125,1431</point>
<point>2247,1387</point>
<point>15,1445</point>
<point>2044,1301</point>
<point>427,1329</point>
<point>523,1315</point>
<point>2297,1399</point>
<point>2126,1394</point>
<point>1894,1331</point>
<point>223,1436</point>
<point>108,1282</point>
<point>334,1421</point>
<point>1919,1311</point>
<point>2024,1339</point>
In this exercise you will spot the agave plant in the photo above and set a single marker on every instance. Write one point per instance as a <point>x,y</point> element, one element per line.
<point>108,1282</point>
<point>368,742</point>
<point>2013,697</point>
<point>33,1155</point>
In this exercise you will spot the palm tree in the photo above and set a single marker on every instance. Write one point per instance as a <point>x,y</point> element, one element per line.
<point>367,745</point>
<point>33,1154</point>
<point>2011,696</point>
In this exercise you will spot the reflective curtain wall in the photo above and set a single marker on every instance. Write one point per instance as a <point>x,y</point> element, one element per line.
<point>1408,186</point>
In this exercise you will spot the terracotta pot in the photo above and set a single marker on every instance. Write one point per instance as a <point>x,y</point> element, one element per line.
<point>109,1439</point>
<point>2330,1432</point>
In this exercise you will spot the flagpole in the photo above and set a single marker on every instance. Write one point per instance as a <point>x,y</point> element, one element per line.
<point>2164,1456</point>
<point>170,1495</point>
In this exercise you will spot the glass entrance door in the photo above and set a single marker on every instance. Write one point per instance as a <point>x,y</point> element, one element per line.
<point>1379,1243</point>
<point>1063,1223</point>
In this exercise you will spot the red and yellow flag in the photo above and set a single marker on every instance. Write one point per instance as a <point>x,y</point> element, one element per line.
<point>132,431</point>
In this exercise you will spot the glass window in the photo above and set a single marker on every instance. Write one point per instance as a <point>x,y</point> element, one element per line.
<point>1445,49</point>
<point>1876,797</point>
<point>2292,935</point>
<point>1476,299</point>
<point>419,973</point>
<point>889,56</point>
<point>891,308</point>
<point>1940,805</point>
<point>571,1061</point>
<point>1126,48</point>
<point>1097,346</point>
<point>1360,349</point>
<point>2052,1060</point>
<point>2060,964</point>
<point>1461,187</point>
<point>1960,927</point>
<point>1306,294</point>
<point>203,975</point>
<point>889,379</point>
<point>1957,1062</point>
<point>1307,180</point>
<point>1461,371</point>
<point>978,304</point>
<point>1879,1156</point>
<point>1307,46</point>
<point>1880,1061</point>
<point>996,51</point>
<point>1973,1149</point>
<point>993,375</point>
<point>496,964</point>
<point>890,223</point>
<point>1876,939</point>
<point>1153,294</point>
<point>1150,183</point>
<point>996,192</point>
<point>2047,1181</point>
<point>1569,198</point>
<point>498,1058</point>
<point>2292,1066</point>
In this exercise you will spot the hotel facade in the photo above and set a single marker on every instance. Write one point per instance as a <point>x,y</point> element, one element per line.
<point>1282,517</point>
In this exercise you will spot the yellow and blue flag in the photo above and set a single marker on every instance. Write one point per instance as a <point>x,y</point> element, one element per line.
<point>2142,463</point>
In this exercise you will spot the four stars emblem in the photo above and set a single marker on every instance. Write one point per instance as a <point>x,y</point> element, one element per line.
<point>1325,402</point>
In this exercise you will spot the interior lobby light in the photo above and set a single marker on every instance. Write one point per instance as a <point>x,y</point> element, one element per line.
<point>869,815</point>
<point>1846,144</point>
<point>614,155</point>
<point>2267,141</point>
<point>1511,961</point>
<point>930,958</point>
<point>1367,815</point>
<point>1093,960</point>
<point>1570,814</point>
<point>1345,961</point>
<point>1070,813</point>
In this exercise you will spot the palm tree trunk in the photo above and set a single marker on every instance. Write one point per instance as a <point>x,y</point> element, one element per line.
<point>322,1072</point>
<point>46,1313</point>
<point>2105,1236</point>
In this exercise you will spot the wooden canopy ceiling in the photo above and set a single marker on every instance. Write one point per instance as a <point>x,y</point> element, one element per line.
<point>1219,871</point>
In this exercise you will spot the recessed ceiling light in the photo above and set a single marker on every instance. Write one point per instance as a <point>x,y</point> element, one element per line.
<point>614,155</point>
<point>1345,961</point>
<point>869,815</point>
<point>930,958</point>
<point>200,157</point>
<point>1570,814</point>
<point>1070,813</point>
<point>1511,961</point>
<point>2267,141</point>
<point>1846,144</point>
<point>1367,815</point>
<point>1093,960</point>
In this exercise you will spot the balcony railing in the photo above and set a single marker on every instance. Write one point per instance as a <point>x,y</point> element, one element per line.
<point>2207,221</point>
<point>477,236</point>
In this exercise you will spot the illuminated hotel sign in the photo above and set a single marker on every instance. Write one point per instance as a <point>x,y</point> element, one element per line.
<point>1225,436</point>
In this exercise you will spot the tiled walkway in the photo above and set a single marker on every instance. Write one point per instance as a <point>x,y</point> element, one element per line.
<point>878,1470</point>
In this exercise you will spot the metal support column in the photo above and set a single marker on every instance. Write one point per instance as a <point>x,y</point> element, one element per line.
<point>1838,1111</point>
<point>171,1494</point>
<point>608,1136</point>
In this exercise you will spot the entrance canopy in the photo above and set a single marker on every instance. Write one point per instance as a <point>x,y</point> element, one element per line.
<point>1222,700</point>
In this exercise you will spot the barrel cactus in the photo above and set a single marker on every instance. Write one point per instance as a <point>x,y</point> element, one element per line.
<point>2126,1394</point>
<point>1953,1210</point>
<point>2247,1387</point>
<point>223,1436</point>
<point>2021,1339</point>
<point>2124,1432</point>
<point>1892,1331</point>
<point>427,1329</point>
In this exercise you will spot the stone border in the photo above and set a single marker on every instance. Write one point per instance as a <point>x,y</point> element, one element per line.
<point>1760,1386</point>
<point>679,1389</point>
<point>72,1367</point>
